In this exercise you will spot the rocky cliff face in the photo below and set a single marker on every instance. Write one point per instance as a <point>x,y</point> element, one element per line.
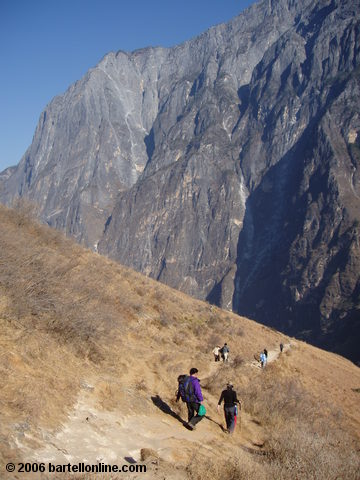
<point>227,167</point>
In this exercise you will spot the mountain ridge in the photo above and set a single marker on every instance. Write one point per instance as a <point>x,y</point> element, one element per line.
<point>226,167</point>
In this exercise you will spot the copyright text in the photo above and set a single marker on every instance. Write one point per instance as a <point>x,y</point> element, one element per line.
<point>73,468</point>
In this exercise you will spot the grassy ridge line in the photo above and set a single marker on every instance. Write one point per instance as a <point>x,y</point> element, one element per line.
<point>67,317</point>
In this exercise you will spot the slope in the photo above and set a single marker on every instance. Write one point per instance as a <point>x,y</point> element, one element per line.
<point>91,352</point>
<point>249,136</point>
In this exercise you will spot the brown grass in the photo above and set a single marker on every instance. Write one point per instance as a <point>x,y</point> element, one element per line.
<point>70,318</point>
<point>304,435</point>
<point>242,468</point>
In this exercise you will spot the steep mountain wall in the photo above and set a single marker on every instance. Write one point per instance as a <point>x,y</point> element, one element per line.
<point>298,255</point>
<point>227,167</point>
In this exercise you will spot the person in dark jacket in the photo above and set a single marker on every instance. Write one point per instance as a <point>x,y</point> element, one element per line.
<point>230,400</point>
<point>194,399</point>
<point>225,352</point>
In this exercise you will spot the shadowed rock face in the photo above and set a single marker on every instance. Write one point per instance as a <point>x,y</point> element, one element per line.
<point>227,167</point>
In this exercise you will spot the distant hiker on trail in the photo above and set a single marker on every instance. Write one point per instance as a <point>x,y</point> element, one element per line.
<point>190,392</point>
<point>216,353</point>
<point>281,347</point>
<point>263,359</point>
<point>225,352</point>
<point>230,408</point>
<point>266,353</point>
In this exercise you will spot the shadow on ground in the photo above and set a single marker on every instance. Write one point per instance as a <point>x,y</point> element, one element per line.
<point>164,407</point>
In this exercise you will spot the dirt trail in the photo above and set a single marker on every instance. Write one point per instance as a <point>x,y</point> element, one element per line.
<point>272,355</point>
<point>93,435</point>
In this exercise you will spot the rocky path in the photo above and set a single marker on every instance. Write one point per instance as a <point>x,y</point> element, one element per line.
<point>92,435</point>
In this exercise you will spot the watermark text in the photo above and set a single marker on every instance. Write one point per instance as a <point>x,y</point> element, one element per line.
<point>73,468</point>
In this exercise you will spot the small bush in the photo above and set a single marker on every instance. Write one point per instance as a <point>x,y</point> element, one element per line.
<point>164,320</point>
<point>140,386</point>
<point>240,332</point>
<point>180,338</point>
<point>213,341</point>
<point>238,361</point>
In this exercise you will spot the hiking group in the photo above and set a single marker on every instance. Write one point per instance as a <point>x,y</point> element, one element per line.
<point>189,391</point>
<point>222,352</point>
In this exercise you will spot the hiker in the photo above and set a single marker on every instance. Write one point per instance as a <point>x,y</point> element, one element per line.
<point>216,353</point>
<point>263,359</point>
<point>190,392</point>
<point>225,352</point>
<point>281,347</point>
<point>230,408</point>
<point>266,353</point>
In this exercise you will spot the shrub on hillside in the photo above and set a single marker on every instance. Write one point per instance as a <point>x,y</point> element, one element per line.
<point>238,361</point>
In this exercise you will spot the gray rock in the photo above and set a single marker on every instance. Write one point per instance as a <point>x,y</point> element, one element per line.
<point>226,167</point>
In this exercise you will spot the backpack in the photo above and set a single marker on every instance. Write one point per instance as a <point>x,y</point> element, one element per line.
<point>186,389</point>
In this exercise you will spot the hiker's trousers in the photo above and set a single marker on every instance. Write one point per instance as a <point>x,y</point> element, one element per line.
<point>230,417</point>
<point>193,417</point>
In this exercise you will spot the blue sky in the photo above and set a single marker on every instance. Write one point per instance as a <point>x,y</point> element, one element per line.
<point>46,45</point>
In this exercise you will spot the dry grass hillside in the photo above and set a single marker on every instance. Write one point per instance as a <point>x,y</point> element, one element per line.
<point>90,354</point>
